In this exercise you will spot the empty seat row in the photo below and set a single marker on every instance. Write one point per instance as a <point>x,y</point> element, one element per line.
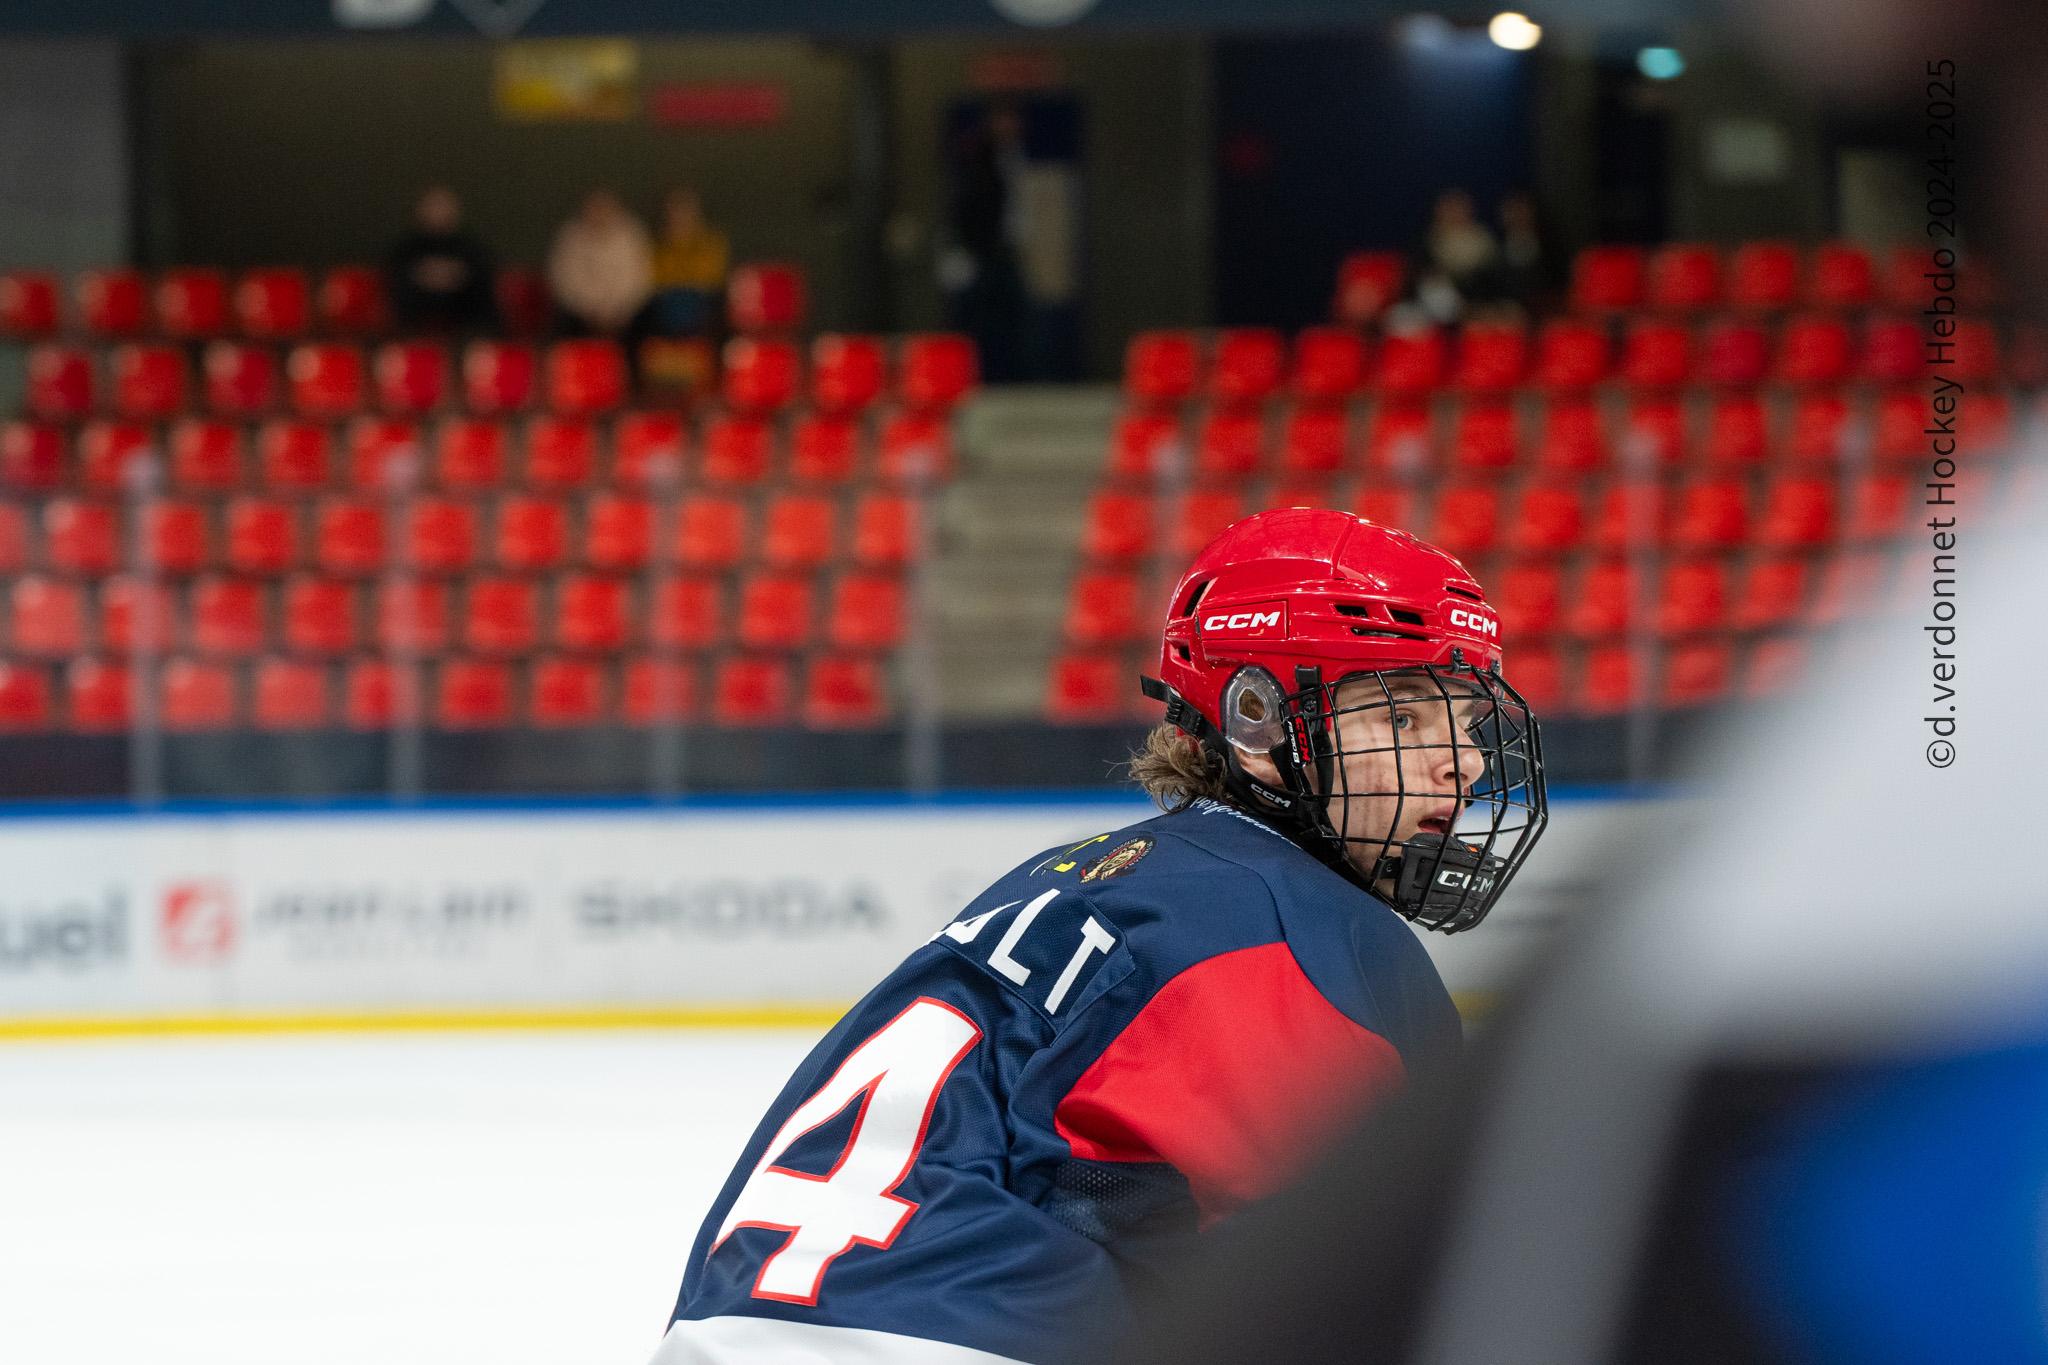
<point>95,695</point>
<point>1765,275</point>
<point>388,455</point>
<point>55,618</point>
<point>1409,438</point>
<point>356,536</point>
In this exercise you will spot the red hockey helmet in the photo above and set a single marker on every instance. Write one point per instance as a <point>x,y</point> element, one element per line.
<point>1365,665</point>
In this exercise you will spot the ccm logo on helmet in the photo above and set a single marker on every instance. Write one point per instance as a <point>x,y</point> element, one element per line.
<point>1243,620</point>
<point>1474,622</point>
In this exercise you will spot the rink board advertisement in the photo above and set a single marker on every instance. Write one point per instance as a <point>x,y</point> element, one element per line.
<point>787,907</point>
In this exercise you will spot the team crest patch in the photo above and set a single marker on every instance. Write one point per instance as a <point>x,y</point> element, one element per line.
<point>1117,861</point>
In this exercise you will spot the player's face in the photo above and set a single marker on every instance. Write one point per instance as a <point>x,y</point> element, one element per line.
<point>1408,763</point>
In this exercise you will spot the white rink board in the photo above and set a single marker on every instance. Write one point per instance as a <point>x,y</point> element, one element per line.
<point>561,908</point>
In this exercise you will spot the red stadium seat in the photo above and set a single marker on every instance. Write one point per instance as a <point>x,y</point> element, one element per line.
<point>32,457</point>
<point>1841,277</point>
<point>377,694</point>
<point>14,538</point>
<point>275,304</point>
<point>1849,585</point>
<point>110,453</point>
<point>1118,526</point>
<point>1712,514</point>
<point>568,692</point>
<point>411,376</point>
<point>1631,512</point>
<point>1162,367</point>
<point>1230,444</point>
<point>1774,590</point>
<point>1608,279</point>
<point>689,613</point>
<point>1974,357</point>
<point>473,694</point>
<point>935,371</point>
<point>1087,687</point>
<point>848,373</point>
<point>25,704</point>
<point>1734,353</point>
<point>1773,666</point>
<point>711,532</point>
<point>1387,506</point>
<point>1315,441</point>
<point>45,617</point>
<point>843,691</point>
<point>885,530</point>
<point>1491,357</point>
<point>775,611</point>
<point>1570,354</point>
<point>411,615</point>
<point>1103,608</point>
<point>649,448</point>
<point>113,303</point>
<point>761,375</point>
<point>618,532</point>
<point>1399,439</point>
<point>97,696</point>
<point>1529,595</point>
<point>1738,431</point>
<point>1329,364</point>
<point>1202,517</point>
<point>824,448</point>
<point>352,301</point>
<point>262,535</point>
<point>176,536</point>
<point>1815,349</point>
<point>81,537</point>
<point>206,457</point>
<point>196,694</point>
<point>1797,513</point>
<point>1898,426</point>
<point>1684,277</point>
<point>240,379</point>
<point>865,611</point>
<point>737,450</point>
<point>469,454</point>
<point>500,615</point>
<point>585,378</point>
<point>1656,354</point>
<point>532,533</point>
<point>916,447</point>
<point>1904,284</point>
<point>750,691</point>
<point>497,377</point>
<point>1610,681</point>
<point>1484,436</point>
<point>592,614</point>
<point>561,452</point>
<point>320,616</point>
<point>1467,519</point>
<point>1247,366</point>
<point>1892,352</point>
<point>657,691</point>
<point>348,536</point>
<point>1571,439</point>
<point>524,304</point>
<point>1764,276</point>
<point>326,380</point>
<point>385,455</point>
<point>1697,672</point>
<point>148,381</point>
<point>1605,602</point>
<point>229,616</point>
<point>134,613</point>
<point>61,384</point>
<point>30,305</point>
<point>1692,597</point>
<point>192,303</point>
<point>291,694</point>
<point>1821,428</point>
<point>798,530</point>
<point>294,456</point>
<point>1367,282</point>
<point>1549,519</point>
<point>766,297</point>
<point>1411,363</point>
<point>1881,507</point>
<point>438,535</point>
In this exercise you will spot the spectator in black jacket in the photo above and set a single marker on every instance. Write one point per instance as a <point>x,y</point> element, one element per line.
<point>439,275</point>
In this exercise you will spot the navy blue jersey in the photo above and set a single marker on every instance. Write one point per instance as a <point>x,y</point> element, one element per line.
<point>1113,1045</point>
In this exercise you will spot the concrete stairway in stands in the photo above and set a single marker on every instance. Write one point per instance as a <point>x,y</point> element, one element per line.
<point>1007,540</point>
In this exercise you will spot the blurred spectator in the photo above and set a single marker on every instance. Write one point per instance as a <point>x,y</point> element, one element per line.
<point>1457,258</point>
<point>439,275</point>
<point>690,265</point>
<point>601,267</point>
<point>1528,273</point>
<point>979,269</point>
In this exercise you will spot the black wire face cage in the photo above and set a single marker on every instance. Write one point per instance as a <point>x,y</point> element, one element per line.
<point>1427,781</point>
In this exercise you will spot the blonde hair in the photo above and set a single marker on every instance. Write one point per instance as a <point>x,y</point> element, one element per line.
<point>1176,770</point>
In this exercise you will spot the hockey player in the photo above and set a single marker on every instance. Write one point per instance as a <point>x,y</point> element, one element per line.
<point>1121,1041</point>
